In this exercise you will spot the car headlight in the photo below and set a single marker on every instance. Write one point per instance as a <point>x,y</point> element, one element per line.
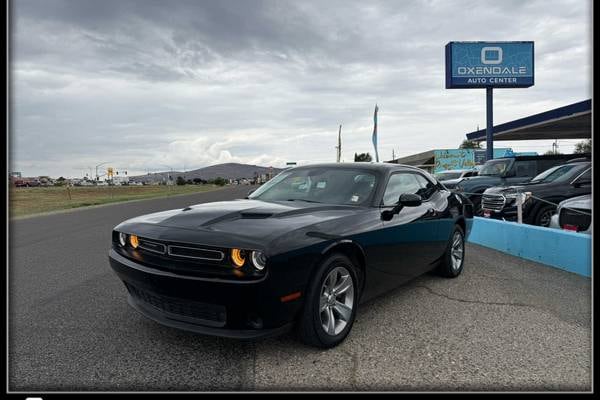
<point>238,257</point>
<point>122,239</point>
<point>510,195</point>
<point>134,241</point>
<point>259,260</point>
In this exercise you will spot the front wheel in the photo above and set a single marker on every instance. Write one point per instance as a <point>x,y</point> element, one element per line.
<point>331,302</point>
<point>544,215</point>
<point>454,257</point>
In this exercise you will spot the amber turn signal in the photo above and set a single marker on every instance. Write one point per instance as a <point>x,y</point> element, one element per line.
<point>238,257</point>
<point>133,241</point>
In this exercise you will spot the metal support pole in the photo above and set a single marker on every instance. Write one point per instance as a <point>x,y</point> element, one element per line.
<point>490,123</point>
<point>519,201</point>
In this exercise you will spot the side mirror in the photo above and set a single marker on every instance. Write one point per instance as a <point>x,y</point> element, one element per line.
<point>405,200</point>
<point>510,174</point>
<point>410,200</point>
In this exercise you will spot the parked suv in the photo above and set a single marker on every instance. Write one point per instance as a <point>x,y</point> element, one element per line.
<point>508,171</point>
<point>548,188</point>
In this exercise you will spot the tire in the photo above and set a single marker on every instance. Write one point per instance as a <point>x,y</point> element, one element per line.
<point>314,322</point>
<point>449,268</point>
<point>543,215</point>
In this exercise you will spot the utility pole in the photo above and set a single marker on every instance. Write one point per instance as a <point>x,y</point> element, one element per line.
<point>555,146</point>
<point>393,155</point>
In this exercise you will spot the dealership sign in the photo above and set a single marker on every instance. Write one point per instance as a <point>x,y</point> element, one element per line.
<point>489,64</point>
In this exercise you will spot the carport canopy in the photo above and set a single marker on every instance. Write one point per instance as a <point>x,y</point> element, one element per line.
<point>573,121</point>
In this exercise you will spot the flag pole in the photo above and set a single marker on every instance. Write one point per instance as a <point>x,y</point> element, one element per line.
<point>375,133</point>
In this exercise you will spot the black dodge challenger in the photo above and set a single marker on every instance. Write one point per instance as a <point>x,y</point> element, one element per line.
<point>302,250</point>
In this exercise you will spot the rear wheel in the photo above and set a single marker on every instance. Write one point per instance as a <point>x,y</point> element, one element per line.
<point>331,302</point>
<point>454,257</point>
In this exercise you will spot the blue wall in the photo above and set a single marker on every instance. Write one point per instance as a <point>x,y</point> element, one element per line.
<point>570,251</point>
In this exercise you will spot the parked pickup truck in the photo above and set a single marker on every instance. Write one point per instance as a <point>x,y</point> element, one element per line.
<point>547,189</point>
<point>508,171</point>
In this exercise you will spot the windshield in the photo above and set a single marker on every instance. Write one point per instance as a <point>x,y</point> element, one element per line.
<point>555,173</point>
<point>495,167</point>
<point>447,175</point>
<point>319,185</point>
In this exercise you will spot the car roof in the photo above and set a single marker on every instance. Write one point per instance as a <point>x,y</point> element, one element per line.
<point>458,170</point>
<point>368,166</point>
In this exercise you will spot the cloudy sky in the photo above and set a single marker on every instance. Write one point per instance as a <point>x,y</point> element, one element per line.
<point>151,85</point>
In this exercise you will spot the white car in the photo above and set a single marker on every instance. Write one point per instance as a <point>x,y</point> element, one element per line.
<point>567,215</point>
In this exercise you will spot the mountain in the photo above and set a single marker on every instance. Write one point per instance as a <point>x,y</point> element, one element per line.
<point>227,171</point>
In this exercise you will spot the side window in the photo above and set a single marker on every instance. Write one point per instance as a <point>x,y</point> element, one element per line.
<point>585,177</point>
<point>427,189</point>
<point>398,184</point>
<point>525,168</point>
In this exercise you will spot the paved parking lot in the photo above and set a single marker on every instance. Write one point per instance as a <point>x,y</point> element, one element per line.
<point>504,324</point>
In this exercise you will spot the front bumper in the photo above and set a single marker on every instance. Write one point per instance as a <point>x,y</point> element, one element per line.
<point>218,307</point>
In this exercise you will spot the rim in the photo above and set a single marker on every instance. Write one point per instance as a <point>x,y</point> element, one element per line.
<point>456,253</point>
<point>336,301</point>
<point>545,218</point>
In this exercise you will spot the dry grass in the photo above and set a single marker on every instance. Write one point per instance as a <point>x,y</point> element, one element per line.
<point>27,201</point>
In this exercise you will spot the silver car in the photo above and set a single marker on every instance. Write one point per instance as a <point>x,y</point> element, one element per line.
<point>568,217</point>
<point>450,178</point>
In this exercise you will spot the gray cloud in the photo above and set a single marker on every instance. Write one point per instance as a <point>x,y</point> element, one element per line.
<point>145,84</point>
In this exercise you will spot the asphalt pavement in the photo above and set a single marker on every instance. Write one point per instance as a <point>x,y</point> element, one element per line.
<point>504,324</point>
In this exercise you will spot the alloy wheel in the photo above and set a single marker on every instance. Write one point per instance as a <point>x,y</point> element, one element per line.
<point>456,253</point>
<point>336,300</point>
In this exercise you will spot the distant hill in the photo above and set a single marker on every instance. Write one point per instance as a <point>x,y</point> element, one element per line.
<point>227,171</point>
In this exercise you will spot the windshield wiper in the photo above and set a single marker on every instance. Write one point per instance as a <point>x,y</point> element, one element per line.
<point>308,201</point>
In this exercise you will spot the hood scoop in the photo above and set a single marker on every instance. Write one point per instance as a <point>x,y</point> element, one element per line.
<point>255,215</point>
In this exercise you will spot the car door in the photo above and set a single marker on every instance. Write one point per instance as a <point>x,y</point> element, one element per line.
<point>410,239</point>
<point>581,185</point>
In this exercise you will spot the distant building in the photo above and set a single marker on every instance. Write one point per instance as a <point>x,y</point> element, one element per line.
<point>448,159</point>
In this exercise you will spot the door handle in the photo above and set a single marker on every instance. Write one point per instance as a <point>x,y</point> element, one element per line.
<point>430,212</point>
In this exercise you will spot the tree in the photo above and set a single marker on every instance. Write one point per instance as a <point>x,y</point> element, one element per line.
<point>551,153</point>
<point>180,181</point>
<point>362,157</point>
<point>197,181</point>
<point>219,181</point>
<point>584,146</point>
<point>469,144</point>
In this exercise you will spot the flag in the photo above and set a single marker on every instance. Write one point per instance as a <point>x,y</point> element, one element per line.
<point>375,133</point>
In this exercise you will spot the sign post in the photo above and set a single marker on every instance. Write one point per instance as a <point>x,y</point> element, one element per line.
<point>489,112</point>
<point>489,65</point>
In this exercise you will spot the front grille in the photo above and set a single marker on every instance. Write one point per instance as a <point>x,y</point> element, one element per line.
<point>152,246</point>
<point>206,314</point>
<point>494,202</point>
<point>570,217</point>
<point>196,253</point>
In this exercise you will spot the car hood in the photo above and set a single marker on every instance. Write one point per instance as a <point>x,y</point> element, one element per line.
<point>583,202</point>
<point>525,187</point>
<point>250,221</point>
<point>452,181</point>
